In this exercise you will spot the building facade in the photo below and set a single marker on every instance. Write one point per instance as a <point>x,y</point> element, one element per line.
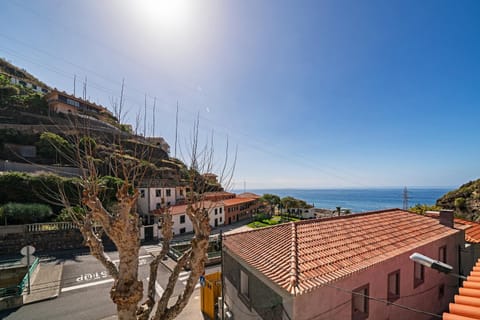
<point>350,267</point>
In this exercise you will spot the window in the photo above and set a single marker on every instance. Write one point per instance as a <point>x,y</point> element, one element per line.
<point>220,219</point>
<point>182,218</point>
<point>182,230</point>
<point>442,254</point>
<point>158,193</point>
<point>394,286</point>
<point>142,193</point>
<point>360,303</point>
<point>181,192</point>
<point>244,285</point>
<point>220,210</point>
<point>216,211</point>
<point>418,274</point>
<point>159,205</point>
<point>169,192</point>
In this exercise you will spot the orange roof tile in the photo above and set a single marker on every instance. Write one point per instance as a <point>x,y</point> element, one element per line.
<point>182,208</point>
<point>472,234</point>
<point>234,201</point>
<point>301,256</point>
<point>467,301</point>
<point>248,195</point>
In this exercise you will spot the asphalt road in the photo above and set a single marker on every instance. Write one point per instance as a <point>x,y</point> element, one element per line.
<point>85,288</point>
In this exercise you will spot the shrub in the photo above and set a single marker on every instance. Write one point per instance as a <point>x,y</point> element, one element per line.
<point>460,203</point>
<point>21,213</point>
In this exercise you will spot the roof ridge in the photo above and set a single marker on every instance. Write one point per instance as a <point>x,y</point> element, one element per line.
<point>293,281</point>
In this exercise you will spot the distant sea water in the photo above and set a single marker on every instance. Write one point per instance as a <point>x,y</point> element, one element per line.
<point>359,200</point>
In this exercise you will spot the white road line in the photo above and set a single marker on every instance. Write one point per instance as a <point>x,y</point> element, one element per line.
<point>85,285</point>
<point>183,278</point>
<point>158,288</point>
<point>184,273</point>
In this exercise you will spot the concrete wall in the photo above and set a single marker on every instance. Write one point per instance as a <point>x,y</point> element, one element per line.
<point>26,167</point>
<point>11,240</point>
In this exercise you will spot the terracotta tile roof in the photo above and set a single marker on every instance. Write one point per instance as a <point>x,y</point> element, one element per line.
<point>248,195</point>
<point>467,301</point>
<point>472,234</point>
<point>182,208</point>
<point>235,201</point>
<point>301,256</point>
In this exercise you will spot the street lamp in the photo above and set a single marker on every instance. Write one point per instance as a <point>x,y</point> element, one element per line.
<point>435,264</point>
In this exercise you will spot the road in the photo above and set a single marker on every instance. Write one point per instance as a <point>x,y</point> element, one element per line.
<point>85,289</point>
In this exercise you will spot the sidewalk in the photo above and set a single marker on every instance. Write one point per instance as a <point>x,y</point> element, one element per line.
<point>191,311</point>
<point>45,284</point>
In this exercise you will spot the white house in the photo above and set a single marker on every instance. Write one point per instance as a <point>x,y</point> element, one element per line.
<point>153,197</point>
<point>181,222</point>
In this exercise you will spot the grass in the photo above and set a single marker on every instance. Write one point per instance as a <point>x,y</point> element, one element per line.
<point>271,222</point>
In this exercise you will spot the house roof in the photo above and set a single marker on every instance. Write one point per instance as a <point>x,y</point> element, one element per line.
<point>235,201</point>
<point>472,234</point>
<point>182,208</point>
<point>301,256</point>
<point>248,195</point>
<point>467,301</point>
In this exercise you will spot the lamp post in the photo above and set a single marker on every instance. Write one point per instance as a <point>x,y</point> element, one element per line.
<point>435,264</point>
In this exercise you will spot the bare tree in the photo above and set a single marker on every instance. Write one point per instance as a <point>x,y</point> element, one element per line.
<point>119,220</point>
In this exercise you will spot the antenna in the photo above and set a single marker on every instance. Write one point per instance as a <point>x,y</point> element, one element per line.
<point>405,198</point>
<point>74,83</point>
<point>244,186</point>
<point>145,118</point>
<point>154,103</point>
<point>85,89</point>
<point>176,130</point>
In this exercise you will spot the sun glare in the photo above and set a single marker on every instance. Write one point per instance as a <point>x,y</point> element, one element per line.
<point>165,14</point>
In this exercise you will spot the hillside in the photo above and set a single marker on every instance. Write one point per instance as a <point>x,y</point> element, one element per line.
<point>464,200</point>
<point>28,122</point>
<point>21,74</point>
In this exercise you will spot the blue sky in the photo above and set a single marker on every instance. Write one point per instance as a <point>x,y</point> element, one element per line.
<point>313,93</point>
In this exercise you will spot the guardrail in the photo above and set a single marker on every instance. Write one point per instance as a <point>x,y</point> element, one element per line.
<point>18,289</point>
<point>50,226</point>
<point>24,281</point>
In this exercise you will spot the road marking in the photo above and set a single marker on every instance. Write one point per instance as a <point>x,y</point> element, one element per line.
<point>139,258</point>
<point>85,285</point>
<point>158,289</point>
<point>183,277</point>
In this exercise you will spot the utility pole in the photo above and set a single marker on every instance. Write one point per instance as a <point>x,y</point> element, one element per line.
<point>405,198</point>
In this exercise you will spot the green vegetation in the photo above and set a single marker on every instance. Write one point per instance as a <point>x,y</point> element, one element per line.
<point>422,208</point>
<point>53,146</point>
<point>262,221</point>
<point>465,201</point>
<point>20,98</point>
<point>21,213</point>
<point>23,188</point>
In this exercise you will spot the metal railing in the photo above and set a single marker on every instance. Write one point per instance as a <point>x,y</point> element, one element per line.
<point>50,226</point>
<point>18,289</point>
<point>24,281</point>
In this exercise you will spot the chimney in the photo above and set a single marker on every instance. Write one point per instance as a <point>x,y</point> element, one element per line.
<point>446,218</point>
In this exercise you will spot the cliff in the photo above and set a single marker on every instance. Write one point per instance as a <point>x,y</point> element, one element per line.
<point>464,200</point>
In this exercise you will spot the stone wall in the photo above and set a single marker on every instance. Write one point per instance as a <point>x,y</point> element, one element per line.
<point>43,241</point>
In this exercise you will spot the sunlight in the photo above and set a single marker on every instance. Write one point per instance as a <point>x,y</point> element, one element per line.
<point>165,14</point>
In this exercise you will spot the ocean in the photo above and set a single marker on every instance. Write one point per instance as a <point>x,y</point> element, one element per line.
<point>359,200</point>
